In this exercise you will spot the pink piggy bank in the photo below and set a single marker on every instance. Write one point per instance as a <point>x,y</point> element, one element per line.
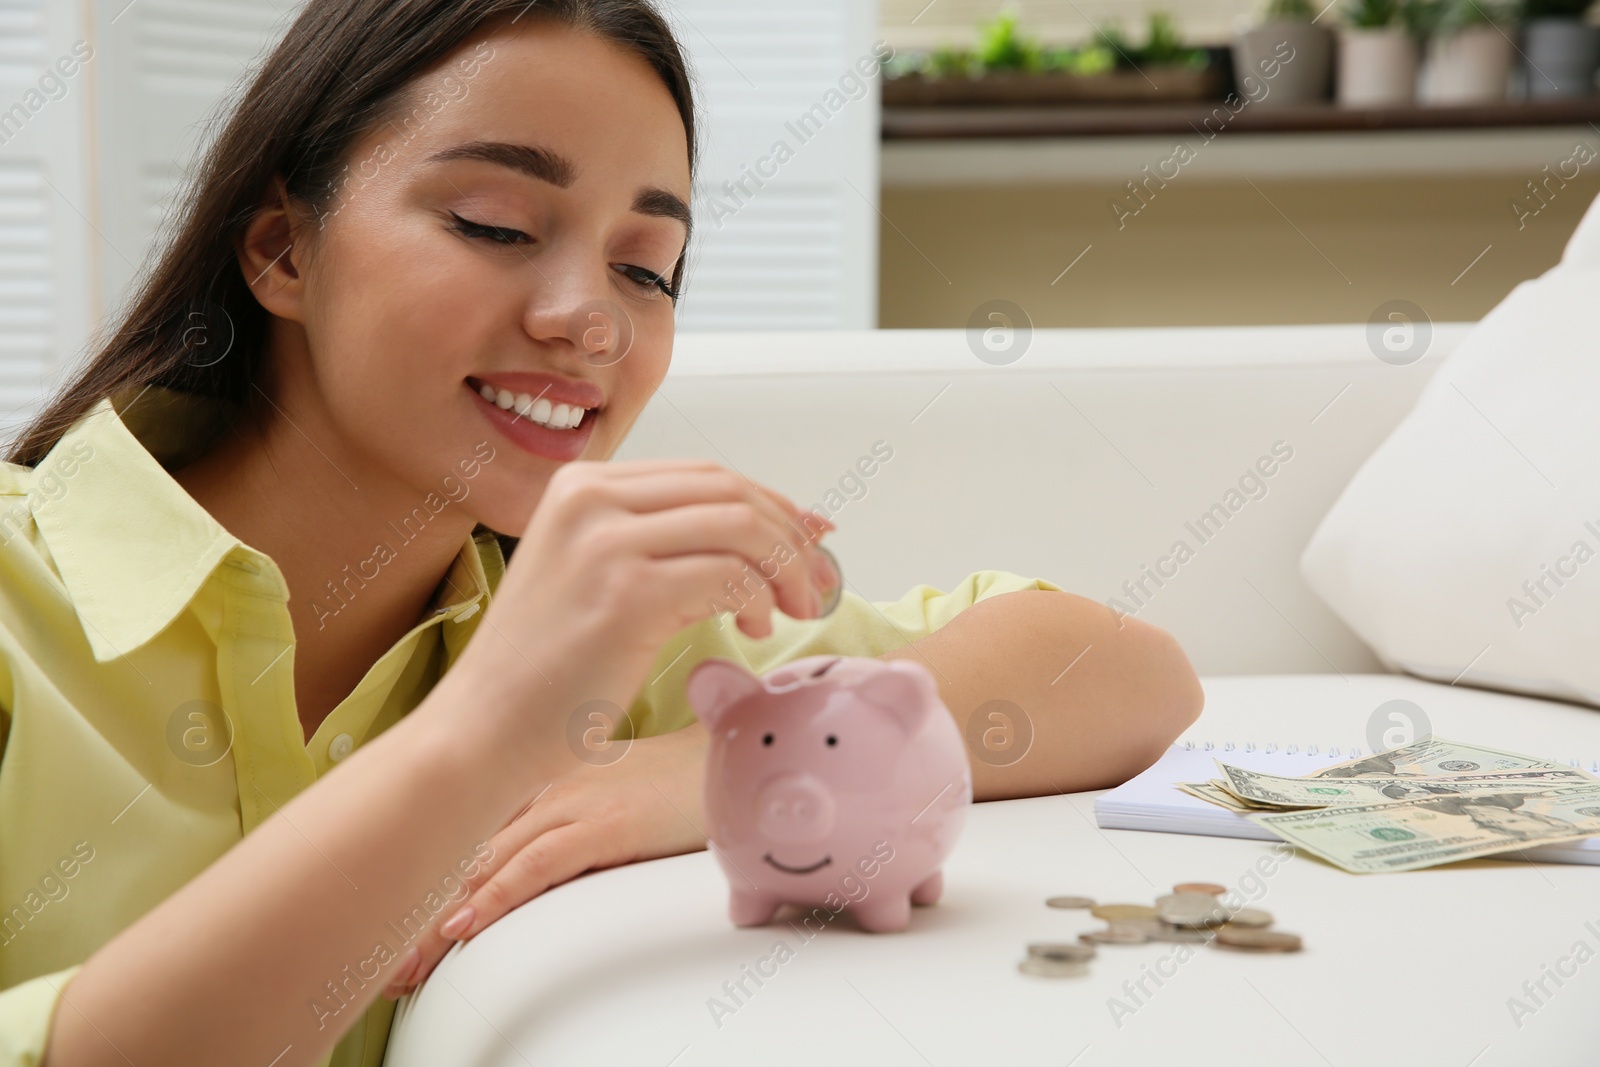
<point>834,780</point>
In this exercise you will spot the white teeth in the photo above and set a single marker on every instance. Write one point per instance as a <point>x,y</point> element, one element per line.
<point>537,410</point>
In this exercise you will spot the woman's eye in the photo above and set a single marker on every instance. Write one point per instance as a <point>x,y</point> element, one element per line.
<point>502,235</point>
<point>647,279</point>
<point>497,234</point>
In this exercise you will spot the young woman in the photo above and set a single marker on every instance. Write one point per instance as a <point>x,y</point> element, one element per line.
<point>255,773</point>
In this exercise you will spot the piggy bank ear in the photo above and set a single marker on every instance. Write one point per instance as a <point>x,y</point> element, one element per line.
<point>715,685</point>
<point>902,688</point>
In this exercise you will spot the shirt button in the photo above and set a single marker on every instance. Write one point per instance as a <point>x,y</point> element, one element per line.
<point>340,747</point>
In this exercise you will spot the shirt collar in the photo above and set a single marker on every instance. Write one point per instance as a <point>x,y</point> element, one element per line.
<point>133,548</point>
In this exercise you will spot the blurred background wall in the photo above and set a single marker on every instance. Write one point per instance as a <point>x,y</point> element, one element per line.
<point>1262,228</point>
<point>105,105</point>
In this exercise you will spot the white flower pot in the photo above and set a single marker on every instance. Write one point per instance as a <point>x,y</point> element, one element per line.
<point>1561,56</point>
<point>1469,66</point>
<point>1284,61</point>
<point>1377,67</point>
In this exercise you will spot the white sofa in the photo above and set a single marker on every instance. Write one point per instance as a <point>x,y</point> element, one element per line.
<point>1081,462</point>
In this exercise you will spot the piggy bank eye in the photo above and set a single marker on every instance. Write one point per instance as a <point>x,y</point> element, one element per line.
<point>832,740</point>
<point>766,739</point>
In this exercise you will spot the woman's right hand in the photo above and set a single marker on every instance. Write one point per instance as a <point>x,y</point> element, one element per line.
<point>621,555</point>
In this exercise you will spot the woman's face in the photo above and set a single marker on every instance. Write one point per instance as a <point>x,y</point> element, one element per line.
<point>512,235</point>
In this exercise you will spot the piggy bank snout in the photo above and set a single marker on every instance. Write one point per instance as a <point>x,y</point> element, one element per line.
<point>794,807</point>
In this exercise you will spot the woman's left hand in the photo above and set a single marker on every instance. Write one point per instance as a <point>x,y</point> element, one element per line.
<point>645,805</point>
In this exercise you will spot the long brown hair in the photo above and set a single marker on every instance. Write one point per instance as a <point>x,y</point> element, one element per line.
<point>343,69</point>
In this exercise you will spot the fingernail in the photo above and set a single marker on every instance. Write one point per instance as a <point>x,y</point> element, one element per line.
<point>806,518</point>
<point>458,923</point>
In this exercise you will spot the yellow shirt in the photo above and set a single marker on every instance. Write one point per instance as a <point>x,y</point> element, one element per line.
<point>147,705</point>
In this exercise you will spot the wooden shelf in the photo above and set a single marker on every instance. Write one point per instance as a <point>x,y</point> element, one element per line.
<point>1065,121</point>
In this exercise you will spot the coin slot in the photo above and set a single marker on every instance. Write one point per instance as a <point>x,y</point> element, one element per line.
<point>820,671</point>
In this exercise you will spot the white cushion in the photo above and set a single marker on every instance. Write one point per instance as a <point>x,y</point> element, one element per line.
<point>1468,545</point>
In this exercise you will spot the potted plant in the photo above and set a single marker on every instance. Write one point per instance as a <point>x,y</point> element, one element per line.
<point>1377,64</point>
<point>1561,49</point>
<point>1469,51</point>
<point>1008,66</point>
<point>1286,58</point>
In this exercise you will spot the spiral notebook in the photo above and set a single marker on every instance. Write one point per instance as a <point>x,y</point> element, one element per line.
<point>1152,801</point>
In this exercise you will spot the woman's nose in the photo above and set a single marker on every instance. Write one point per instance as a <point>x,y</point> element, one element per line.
<point>604,332</point>
<point>576,306</point>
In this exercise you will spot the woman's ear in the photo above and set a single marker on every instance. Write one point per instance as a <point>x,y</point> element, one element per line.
<point>271,250</point>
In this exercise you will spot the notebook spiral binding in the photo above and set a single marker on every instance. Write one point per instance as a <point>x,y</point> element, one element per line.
<point>1333,753</point>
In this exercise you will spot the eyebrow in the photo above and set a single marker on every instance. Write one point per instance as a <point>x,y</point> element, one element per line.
<point>531,160</point>
<point>548,166</point>
<point>662,204</point>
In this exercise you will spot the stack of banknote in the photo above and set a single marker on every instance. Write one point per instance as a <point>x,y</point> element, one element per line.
<point>1430,802</point>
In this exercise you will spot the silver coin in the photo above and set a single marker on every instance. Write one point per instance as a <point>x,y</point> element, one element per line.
<point>1251,917</point>
<point>1191,909</point>
<point>1045,968</point>
<point>1115,935</point>
<point>1255,939</point>
<point>1061,950</point>
<point>831,597</point>
<point>1070,902</point>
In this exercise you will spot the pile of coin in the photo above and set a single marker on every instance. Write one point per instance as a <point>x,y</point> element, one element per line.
<point>1193,913</point>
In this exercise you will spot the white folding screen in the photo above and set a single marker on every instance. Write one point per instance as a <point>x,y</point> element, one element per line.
<point>785,211</point>
<point>104,105</point>
<point>169,68</point>
<point>46,199</point>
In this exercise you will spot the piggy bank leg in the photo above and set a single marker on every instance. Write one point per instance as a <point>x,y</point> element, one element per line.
<point>746,907</point>
<point>929,889</point>
<point>883,913</point>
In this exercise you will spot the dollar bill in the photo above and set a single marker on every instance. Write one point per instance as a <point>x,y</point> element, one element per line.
<point>1271,790</point>
<point>1434,757</point>
<point>1405,835</point>
<point>1214,793</point>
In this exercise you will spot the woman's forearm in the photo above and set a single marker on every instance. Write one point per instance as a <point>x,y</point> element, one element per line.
<point>1102,697</point>
<point>272,952</point>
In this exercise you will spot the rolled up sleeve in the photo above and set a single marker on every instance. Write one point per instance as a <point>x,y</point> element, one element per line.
<point>27,1011</point>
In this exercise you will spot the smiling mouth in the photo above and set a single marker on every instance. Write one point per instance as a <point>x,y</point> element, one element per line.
<point>535,409</point>
<point>817,866</point>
